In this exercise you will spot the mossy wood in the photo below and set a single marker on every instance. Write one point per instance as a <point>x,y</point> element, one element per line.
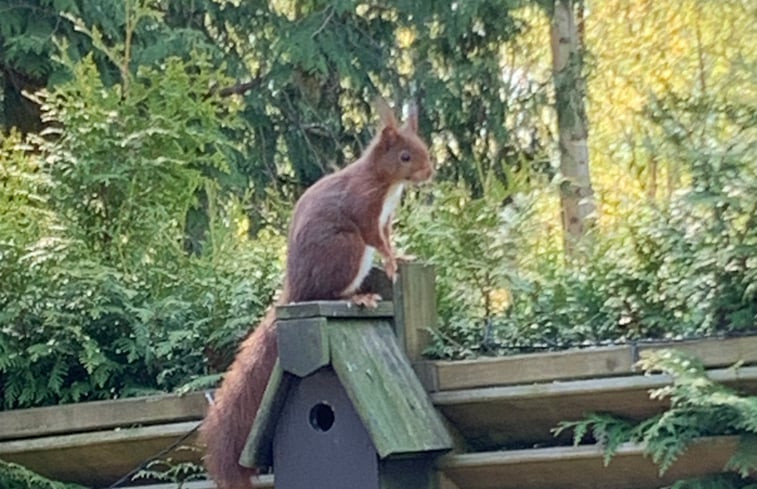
<point>383,388</point>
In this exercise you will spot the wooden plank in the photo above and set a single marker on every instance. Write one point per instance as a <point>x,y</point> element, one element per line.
<point>714,352</point>
<point>259,482</point>
<point>415,307</point>
<point>384,390</point>
<point>99,458</point>
<point>99,415</point>
<point>582,467</point>
<point>427,375</point>
<point>333,309</point>
<point>534,367</point>
<point>525,414</point>
<point>577,364</point>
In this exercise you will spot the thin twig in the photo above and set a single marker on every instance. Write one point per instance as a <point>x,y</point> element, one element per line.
<point>325,22</point>
<point>239,88</point>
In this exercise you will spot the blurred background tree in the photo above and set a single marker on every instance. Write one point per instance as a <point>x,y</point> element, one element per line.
<point>152,151</point>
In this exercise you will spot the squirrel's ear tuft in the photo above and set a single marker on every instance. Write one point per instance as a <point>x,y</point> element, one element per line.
<point>412,118</point>
<point>385,112</point>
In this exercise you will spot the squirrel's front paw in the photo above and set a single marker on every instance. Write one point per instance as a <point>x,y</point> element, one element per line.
<point>366,300</point>
<point>406,258</point>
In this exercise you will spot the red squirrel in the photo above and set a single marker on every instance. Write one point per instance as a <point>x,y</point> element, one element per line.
<point>338,224</point>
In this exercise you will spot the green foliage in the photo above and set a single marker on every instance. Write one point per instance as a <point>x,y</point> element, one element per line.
<point>473,243</point>
<point>14,476</point>
<point>699,407</point>
<point>110,303</point>
<point>120,182</point>
<point>607,430</point>
<point>720,481</point>
<point>169,470</point>
<point>142,228</point>
<point>30,29</point>
<point>81,329</point>
<point>679,269</point>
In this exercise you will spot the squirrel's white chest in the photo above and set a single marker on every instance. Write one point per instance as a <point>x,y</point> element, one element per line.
<point>391,202</point>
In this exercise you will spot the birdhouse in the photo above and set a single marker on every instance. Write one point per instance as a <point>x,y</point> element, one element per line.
<point>343,408</point>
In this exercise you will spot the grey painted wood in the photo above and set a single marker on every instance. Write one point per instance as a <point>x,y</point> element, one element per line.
<point>303,345</point>
<point>334,453</point>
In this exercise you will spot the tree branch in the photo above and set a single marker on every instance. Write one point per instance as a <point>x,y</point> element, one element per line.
<point>239,88</point>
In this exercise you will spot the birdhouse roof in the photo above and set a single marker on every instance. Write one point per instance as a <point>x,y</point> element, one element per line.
<point>362,349</point>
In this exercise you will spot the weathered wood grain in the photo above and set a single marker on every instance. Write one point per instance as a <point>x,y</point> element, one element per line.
<point>575,364</point>
<point>537,367</point>
<point>98,458</point>
<point>415,307</point>
<point>100,415</point>
<point>582,467</point>
<point>714,352</point>
<point>385,392</point>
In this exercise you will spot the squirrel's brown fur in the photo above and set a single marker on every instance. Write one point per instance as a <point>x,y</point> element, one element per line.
<point>337,225</point>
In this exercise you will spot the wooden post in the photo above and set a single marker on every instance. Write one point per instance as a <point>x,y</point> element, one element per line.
<point>414,308</point>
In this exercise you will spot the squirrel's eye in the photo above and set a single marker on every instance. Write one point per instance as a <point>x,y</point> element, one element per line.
<point>405,156</point>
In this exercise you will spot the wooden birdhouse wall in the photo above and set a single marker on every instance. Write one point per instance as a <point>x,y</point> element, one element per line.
<point>320,441</point>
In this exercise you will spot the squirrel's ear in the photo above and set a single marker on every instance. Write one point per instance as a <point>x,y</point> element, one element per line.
<point>388,138</point>
<point>412,118</point>
<point>385,112</point>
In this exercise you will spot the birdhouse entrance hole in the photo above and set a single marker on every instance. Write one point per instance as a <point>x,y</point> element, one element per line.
<point>322,417</point>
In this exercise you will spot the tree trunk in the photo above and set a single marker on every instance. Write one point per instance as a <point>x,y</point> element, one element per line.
<point>576,193</point>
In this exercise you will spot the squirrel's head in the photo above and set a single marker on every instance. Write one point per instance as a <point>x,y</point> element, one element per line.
<point>399,153</point>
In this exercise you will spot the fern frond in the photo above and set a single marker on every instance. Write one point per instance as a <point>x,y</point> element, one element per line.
<point>14,476</point>
<point>200,383</point>
<point>744,461</point>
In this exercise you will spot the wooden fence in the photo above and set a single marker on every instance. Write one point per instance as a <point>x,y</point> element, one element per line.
<point>500,410</point>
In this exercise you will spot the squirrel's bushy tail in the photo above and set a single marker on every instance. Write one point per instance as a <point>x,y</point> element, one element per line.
<point>230,418</point>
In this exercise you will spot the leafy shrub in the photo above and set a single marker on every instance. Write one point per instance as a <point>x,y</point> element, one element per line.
<point>681,268</point>
<point>473,244</point>
<point>111,303</point>
<point>699,407</point>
